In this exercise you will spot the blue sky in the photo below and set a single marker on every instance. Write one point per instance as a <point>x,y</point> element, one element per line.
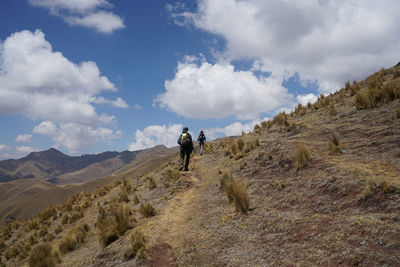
<point>87,76</point>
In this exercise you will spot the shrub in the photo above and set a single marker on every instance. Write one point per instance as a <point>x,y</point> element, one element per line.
<point>396,114</point>
<point>241,199</point>
<point>138,246</point>
<point>127,185</point>
<point>152,183</point>
<point>334,145</point>
<point>376,96</point>
<point>11,252</point>
<point>281,119</point>
<point>147,210</point>
<point>172,174</point>
<point>302,156</point>
<point>257,129</point>
<point>47,213</point>
<point>106,235</point>
<point>234,147</point>
<point>136,199</point>
<point>362,101</point>
<point>123,197</point>
<point>332,109</point>
<point>225,179</point>
<point>75,237</point>
<point>251,144</point>
<point>121,219</point>
<point>33,225</point>
<point>374,187</point>
<point>44,255</point>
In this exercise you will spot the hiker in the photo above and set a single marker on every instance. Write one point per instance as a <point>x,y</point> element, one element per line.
<point>186,145</point>
<point>201,139</point>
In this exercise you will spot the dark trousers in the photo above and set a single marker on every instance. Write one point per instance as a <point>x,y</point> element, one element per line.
<point>183,154</point>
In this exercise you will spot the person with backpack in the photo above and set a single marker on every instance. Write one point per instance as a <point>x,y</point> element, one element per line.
<point>186,146</point>
<point>201,139</point>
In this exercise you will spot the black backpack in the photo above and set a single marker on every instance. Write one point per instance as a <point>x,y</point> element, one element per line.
<point>202,137</point>
<point>185,140</point>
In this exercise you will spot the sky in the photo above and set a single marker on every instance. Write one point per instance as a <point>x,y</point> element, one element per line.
<point>88,76</point>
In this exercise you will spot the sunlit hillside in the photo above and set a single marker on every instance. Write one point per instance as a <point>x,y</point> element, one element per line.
<point>317,187</point>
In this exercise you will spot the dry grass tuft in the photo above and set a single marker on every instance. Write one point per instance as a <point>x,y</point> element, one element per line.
<point>138,246</point>
<point>332,110</point>
<point>281,119</point>
<point>123,197</point>
<point>152,183</point>
<point>113,224</point>
<point>75,237</point>
<point>362,101</point>
<point>334,145</point>
<point>126,183</point>
<point>251,144</point>
<point>225,179</point>
<point>302,156</point>
<point>136,199</point>
<point>147,210</point>
<point>240,196</point>
<point>172,174</point>
<point>375,187</point>
<point>48,213</point>
<point>257,129</point>
<point>44,255</point>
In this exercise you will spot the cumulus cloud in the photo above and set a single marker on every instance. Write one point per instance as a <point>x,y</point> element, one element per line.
<point>23,150</point>
<point>118,103</point>
<point>233,129</point>
<point>156,135</point>
<point>4,147</point>
<point>202,90</point>
<point>42,84</point>
<point>104,22</point>
<point>24,138</point>
<point>86,13</point>
<point>305,99</point>
<point>137,107</point>
<point>327,42</point>
<point>75,137</point>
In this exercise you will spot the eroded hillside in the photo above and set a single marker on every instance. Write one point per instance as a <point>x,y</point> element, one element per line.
<point>317,187</point>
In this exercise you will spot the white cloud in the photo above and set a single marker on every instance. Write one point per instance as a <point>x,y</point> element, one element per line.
<point>156,135</point>
<point>75,137</point>
<point>24,138</point>
<point>4,147</point>
<point>137,107</point>
<point>233,129</point>
<point>119,102</point>
<point>86,13</point>
<point>329,42</point>
<point>23,150</point>
<point>201,90</point>
<point>104,22</point>
<point>305,99</point>
<point>72,5</point>
<point>42,84</point>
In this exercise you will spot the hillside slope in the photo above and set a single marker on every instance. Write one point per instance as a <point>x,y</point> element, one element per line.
<point>24,198</point>
<point>339,207</point>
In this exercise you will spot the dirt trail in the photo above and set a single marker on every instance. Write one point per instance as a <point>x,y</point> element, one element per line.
<point>168,231</point>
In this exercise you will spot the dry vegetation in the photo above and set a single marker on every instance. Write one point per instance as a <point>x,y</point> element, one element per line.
<point>316,187</point>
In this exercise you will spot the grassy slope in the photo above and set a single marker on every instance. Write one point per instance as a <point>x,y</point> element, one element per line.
<point>311,216</point>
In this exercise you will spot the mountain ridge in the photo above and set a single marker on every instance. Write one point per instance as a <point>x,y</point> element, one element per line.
<point>50,164</point>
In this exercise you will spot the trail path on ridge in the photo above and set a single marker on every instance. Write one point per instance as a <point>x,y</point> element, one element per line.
<point>176,235</point>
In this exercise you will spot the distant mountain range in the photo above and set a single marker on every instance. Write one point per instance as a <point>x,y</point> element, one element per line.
<point>56,167</point>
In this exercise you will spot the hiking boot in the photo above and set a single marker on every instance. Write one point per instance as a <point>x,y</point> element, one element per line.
<point>186,169</point>
<point>181,168</point>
